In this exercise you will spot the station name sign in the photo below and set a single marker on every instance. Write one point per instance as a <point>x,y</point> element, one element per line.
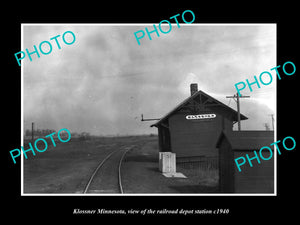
<point>200,116</point>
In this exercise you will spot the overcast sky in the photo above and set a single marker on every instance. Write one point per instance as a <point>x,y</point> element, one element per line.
<point>103,82</point>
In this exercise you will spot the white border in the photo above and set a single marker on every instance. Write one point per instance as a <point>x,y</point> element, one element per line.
<point>22,116</point>
<point>145,194</point>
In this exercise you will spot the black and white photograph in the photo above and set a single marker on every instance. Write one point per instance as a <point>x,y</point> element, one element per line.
<point>149,109</point>
<point>146,112</point>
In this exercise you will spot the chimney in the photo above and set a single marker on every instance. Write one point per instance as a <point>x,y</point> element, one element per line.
<point>194,88</point>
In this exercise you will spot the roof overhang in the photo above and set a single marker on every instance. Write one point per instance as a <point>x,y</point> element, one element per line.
<point>207,101</point>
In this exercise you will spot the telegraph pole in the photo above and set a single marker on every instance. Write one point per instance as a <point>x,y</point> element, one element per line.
<point>236,98</point>
<point>32,135</point>
<point>272,115</point>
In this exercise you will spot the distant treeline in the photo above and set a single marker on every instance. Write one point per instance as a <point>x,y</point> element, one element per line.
<point>74,135</point>
<point>44,132</point>
<point>39,132</point>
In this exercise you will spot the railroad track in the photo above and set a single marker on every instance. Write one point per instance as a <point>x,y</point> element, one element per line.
<point>107,177</point>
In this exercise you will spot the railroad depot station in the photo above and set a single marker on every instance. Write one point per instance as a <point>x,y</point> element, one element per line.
<point>200,131</point>
<point>193,153</point>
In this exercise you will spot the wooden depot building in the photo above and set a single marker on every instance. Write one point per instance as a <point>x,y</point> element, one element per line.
<point>256,179</point>
<point>193,127</point>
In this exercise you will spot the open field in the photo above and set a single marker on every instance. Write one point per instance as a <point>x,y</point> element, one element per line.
<point>67,167</point>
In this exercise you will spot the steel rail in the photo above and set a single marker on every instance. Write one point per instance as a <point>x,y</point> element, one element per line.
<point>119,173</point>
<point>96,170</point>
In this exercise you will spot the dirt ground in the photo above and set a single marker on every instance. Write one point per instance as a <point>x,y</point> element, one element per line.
<point>67,167</point>
<point>141,175</point>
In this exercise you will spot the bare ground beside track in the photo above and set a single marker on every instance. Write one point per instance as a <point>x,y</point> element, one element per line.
<point>141,175</point>
<point>68,167</point>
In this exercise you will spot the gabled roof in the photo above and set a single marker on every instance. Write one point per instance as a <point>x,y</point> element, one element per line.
<point>247,140</point>
<point>194,96</point>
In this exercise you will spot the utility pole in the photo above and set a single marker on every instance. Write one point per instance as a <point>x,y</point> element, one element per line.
<point>236,98</point>
<point>272,116</point>
<point>32,135</point>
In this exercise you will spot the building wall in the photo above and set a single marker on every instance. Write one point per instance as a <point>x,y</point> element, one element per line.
<point>164,139</point>
<point>226,167</point>
<point>256,179</point>
<point>196,137</point>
